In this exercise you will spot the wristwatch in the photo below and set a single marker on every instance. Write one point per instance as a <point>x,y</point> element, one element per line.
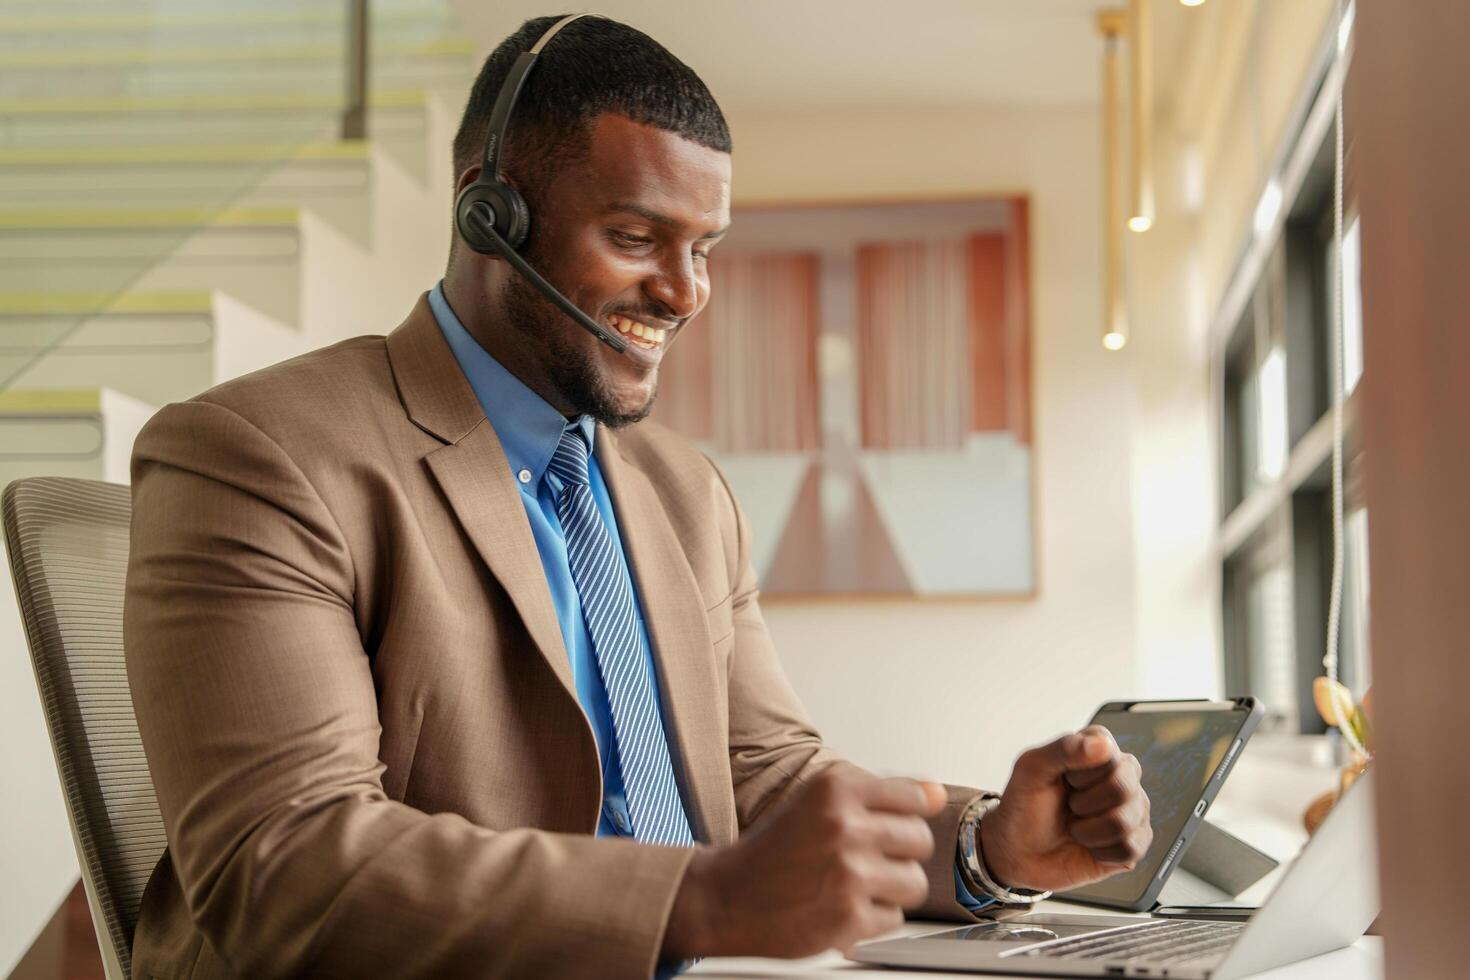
<point>975,873</point>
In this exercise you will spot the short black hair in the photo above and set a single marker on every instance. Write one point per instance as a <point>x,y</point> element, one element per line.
<point>593,65</point>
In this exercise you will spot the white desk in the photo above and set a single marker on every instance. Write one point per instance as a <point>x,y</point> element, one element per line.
<point>1361,961</point>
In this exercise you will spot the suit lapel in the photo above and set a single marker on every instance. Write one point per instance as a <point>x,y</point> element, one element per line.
<point>672,606</point>
<point>475,477</point>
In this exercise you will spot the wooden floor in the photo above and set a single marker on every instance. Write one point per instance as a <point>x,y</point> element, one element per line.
<point>66,948</point>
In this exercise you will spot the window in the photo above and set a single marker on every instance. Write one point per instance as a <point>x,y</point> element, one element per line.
<point>1275,425</point>
<point>1272,664</point>
<point>1353,646</point>
<point>1256,400</point>
<point>1352,308</point>
<point>1258,587</point>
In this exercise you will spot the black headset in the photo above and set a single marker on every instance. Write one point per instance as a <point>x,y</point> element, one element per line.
<point>492,216</point>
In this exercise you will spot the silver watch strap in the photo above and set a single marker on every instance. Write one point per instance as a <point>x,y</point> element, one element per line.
<point>973,864</point>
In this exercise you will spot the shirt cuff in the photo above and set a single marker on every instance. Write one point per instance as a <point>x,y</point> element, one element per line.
<point>963,895</point>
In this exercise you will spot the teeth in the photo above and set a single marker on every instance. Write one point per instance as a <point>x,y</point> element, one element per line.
<point>652,336</point>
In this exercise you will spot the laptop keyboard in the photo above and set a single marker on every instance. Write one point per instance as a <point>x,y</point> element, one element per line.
<point>1166,944</point>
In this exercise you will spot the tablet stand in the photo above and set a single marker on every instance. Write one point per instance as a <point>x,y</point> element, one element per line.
<point>1217,867</point>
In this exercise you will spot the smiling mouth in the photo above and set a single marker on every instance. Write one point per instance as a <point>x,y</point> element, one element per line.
<point>638,334</point>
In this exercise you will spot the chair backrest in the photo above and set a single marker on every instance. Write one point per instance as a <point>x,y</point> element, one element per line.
<point>68,542</point>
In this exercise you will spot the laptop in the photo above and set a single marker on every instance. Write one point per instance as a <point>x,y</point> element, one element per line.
<point>1326,900</point>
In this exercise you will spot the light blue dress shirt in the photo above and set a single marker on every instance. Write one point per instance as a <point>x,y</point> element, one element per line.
<point>529,429</point>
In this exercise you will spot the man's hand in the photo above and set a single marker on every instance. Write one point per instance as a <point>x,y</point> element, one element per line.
<point>1072,813</point>
<point>836,864</point>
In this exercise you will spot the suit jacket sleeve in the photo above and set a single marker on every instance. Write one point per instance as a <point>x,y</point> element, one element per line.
<point>255,700</point>
<point>773,745</point>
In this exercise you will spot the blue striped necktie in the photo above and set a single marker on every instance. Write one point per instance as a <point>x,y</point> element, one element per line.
<point>606,595</point>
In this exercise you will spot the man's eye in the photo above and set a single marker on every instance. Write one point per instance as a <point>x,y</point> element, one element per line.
<point>632,241</point>
<point>702,255</point>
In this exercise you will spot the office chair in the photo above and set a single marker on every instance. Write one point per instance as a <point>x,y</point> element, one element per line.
<point>68,542</point>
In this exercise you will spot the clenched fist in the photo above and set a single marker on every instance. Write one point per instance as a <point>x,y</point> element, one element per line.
<point>835,864</point>
<point>1073,813</point>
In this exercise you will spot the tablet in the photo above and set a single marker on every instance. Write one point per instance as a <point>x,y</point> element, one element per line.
<point>1186,748</point>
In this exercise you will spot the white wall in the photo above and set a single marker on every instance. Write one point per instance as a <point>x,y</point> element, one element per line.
<point>955,689</point>
<point>1175,487</point>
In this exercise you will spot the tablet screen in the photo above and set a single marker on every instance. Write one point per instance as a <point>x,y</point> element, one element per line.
<point>1179,750</point>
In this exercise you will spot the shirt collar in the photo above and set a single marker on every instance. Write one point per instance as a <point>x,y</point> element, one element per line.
<point>526,425</point>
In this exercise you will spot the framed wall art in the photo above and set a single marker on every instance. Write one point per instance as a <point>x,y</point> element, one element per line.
<point>862,376</point>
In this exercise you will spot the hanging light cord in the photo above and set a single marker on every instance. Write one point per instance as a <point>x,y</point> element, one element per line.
<point>1334,599</point>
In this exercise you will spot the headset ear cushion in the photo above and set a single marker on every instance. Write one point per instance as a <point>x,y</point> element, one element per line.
<point>512,216</point>
<point>519,215</point>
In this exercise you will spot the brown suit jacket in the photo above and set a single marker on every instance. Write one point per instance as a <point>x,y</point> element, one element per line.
<point>356,705</point>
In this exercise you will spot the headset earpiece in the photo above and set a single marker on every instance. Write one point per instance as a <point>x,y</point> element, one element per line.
<point>511,216</point>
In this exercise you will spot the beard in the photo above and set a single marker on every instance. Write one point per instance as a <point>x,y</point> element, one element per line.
<point>574,370</point>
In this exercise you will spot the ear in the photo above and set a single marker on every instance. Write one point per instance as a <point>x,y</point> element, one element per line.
<point>467,178</point>
<point>473,174</point>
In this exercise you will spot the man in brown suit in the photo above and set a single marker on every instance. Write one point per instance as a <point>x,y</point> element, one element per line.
<point>377,697</point>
